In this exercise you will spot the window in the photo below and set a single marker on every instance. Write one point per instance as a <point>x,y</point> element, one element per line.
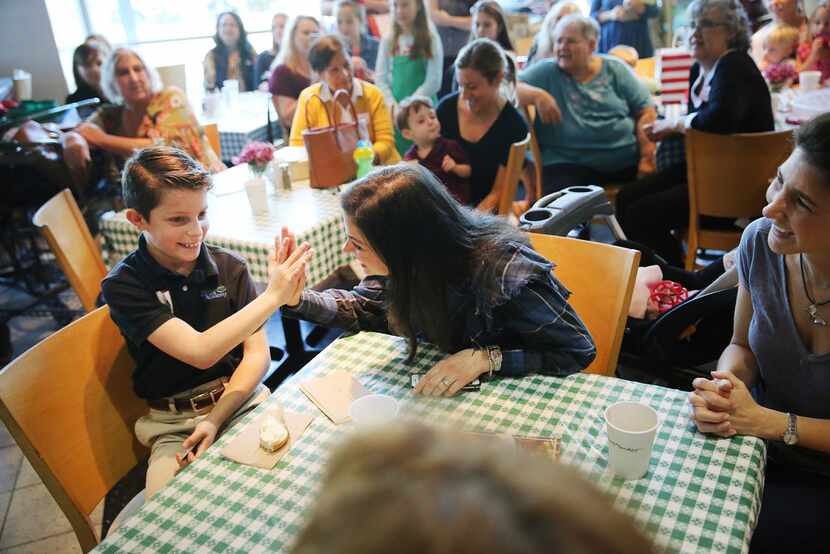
<point>165,32</point>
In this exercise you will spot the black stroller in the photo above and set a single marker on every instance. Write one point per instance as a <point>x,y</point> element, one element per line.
<point>680,344</point>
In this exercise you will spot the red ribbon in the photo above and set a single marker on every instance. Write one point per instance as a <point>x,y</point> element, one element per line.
<point>668,294</point>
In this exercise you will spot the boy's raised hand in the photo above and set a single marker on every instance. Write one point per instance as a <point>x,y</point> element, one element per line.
<point>286,268</point>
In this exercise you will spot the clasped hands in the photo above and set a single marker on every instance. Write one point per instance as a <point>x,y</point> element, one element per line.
<point>723,406</point>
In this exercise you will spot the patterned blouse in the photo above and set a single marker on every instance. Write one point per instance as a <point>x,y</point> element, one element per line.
<point>169,120</point>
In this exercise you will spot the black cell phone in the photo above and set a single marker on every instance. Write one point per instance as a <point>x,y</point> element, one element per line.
<point>414,378</point>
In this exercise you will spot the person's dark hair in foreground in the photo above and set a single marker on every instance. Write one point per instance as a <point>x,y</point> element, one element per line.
<point>414,489</point>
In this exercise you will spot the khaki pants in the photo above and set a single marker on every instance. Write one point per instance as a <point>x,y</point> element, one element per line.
<point>164,433</point>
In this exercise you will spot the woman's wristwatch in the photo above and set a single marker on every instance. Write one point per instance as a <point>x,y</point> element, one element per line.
<point>790,436</point>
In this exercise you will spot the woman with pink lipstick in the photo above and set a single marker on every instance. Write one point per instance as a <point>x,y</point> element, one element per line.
<point>773,380</point>
<point>142,113</point>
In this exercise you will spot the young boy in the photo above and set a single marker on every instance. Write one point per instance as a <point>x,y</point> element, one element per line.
<point>189,313</point>
<point>417,122</point>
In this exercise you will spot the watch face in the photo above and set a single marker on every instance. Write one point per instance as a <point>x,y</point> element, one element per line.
<point>790,438</point>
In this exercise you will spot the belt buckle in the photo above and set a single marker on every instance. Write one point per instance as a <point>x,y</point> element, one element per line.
<point>208,394</point>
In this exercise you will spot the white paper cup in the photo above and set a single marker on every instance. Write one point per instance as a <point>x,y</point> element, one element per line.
<point>808,80</point>
<point>230,92</point>
<point>373,409</point>
<point>631,428</point>
<point>257,195</point>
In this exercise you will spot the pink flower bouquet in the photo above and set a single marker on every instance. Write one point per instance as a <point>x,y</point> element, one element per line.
<point>779,75</point>
<point>257,155</point>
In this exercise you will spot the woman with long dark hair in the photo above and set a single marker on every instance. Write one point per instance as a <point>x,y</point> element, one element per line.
<point>233,57</point>
<point>465,281</point>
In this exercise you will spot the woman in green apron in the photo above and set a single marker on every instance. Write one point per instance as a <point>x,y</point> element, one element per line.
<point>409,59</point>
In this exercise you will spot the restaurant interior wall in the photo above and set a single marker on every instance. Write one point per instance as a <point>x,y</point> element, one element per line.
<point>29,43</point>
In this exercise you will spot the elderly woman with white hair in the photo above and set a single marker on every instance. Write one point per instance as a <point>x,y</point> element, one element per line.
<point>142,113</point>
<point>599,138</point>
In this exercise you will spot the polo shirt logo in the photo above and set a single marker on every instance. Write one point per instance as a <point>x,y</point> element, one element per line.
<point>215,294</point>
<point>165,298</point>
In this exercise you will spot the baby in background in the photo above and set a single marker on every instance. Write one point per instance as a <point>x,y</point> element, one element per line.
<point>814,54</point>
<point>417,122</point>
<point>780,46</point>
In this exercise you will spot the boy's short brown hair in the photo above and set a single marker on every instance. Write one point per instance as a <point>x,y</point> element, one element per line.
<point>154,169</point>
<point>409,106</point>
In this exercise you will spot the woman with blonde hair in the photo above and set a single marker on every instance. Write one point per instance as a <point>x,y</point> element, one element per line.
<point>415,489</point>
<point>291,72</point>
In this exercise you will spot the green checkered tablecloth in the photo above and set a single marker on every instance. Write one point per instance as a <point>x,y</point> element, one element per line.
<point>313,215</point>
<point>701,494</point>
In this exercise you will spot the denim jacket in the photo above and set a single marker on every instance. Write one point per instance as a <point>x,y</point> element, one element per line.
<point>523,309</point>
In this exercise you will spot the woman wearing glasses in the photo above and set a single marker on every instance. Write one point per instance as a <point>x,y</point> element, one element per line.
<point>727,94</point>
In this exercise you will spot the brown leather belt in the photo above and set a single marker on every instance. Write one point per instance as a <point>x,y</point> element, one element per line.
<point>195,403</point>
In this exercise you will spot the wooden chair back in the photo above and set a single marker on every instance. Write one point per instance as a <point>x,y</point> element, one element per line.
<point>77,253</point>
<point>728,177</point>
<point>533,175</point>
<point>601,279</point>
<point>69,404</point>
<point>212,135</point>
<point>510,176</point>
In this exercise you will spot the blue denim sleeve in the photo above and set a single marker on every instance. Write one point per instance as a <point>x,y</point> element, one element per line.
<point>555,340</point>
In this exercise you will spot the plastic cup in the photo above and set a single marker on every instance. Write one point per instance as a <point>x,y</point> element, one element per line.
<point>230,92</point>
<point>22,85</point>
<point>631,428</point>
<point>257,195</point>
<point>808,80</point>
<point>373,409</point>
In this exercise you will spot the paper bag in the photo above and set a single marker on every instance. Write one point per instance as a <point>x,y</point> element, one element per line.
<point>333,394</point>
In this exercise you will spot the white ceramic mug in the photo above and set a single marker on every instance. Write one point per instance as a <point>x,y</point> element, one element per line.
<point>631,428</point>
<point>808,80</point>
<point>373,409</point>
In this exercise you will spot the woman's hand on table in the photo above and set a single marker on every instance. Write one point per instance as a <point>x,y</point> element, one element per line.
<point>711,403</point>
<point>448,376</point>
<point>724,406</point>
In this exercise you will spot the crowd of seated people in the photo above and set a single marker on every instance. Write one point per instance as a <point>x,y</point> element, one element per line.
<point>440,268</point>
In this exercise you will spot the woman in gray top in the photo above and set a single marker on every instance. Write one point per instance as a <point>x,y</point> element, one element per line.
<point>773,380</point>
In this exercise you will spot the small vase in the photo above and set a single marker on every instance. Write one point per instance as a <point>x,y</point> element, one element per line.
<point>257,193</point>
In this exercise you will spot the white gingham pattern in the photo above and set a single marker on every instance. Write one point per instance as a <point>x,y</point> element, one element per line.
<point>701,494</point>
<point>313,215</point>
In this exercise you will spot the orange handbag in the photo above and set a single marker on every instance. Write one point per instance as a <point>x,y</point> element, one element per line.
<point>331,149</point>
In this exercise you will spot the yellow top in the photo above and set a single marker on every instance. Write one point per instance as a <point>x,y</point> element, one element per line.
<point>367,99</point>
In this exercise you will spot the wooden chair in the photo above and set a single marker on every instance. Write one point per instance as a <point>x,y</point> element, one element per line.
<point>532,176</point>
<point>509,181</point>
<point>601,278</point>
<point>212,135</point>
<point>69,404</point>
<point>78,255</point>
<point>728,177</point>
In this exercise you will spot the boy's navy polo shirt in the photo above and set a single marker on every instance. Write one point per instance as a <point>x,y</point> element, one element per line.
<point>142,295</point>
